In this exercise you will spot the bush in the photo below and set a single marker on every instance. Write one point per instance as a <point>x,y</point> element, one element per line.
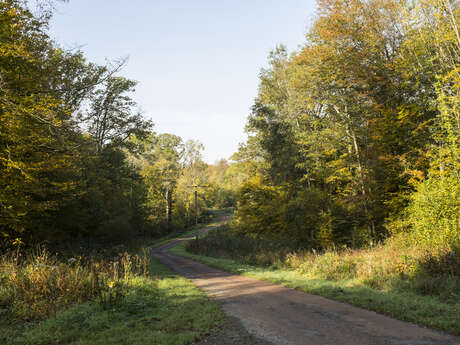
<point>434,213</point>
<point>309,217</point>
<point>260,210</point>
<point>443,262</point>
<point>226,243</point>
<point>332,266</point>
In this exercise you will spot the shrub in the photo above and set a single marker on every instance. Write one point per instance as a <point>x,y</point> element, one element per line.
<point>256,251</point>
<point>308,216</point>
<point>434,213</point>
<point>260,209</point>
<point>441,263</point>
<point>384,267</point>
<point>331,265</point>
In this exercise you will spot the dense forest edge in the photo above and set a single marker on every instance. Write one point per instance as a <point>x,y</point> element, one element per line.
<point>354,138</point>
<point>350,173</point>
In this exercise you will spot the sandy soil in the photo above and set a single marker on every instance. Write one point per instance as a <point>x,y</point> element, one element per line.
<point>284,316</point>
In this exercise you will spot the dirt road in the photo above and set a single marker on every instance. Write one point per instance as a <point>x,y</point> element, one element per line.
<point>285,316</point>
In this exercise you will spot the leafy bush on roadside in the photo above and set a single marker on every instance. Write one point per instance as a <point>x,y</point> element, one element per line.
<point>434,213</point>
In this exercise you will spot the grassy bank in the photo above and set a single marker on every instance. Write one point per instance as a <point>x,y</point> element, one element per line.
<point>127,300</point>
<point>400,282</point>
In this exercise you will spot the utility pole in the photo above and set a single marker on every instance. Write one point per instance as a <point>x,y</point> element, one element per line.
<point>195,186</point>
<point>196,206</point>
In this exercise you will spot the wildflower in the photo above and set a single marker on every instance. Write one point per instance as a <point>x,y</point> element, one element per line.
<point>17,242</point>
<point>111,284</point>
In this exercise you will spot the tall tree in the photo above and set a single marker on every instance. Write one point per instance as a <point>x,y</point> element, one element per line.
<point>111,119</point>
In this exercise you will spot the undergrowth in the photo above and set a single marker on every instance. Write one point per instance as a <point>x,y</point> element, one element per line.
<point>382,267</point>
<point>38,284</point>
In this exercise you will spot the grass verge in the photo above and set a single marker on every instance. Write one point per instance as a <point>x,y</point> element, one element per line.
<point>161,308</point>
<point>407,305</point>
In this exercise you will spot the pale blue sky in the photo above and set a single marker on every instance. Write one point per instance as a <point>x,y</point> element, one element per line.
<point>196,61</point>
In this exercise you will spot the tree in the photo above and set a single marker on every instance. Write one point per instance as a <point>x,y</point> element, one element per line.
<point>54,183</point>
<point>161,166</point>
<point>37,136</point>
<point>193,181</point>
<point>111,119</point>
<point>349,118</point>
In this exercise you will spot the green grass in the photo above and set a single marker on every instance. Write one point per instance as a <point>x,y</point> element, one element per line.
<point>403,304</point>
<point>159,309</point>
<point>195,230</point>
<point>214,223</point>
<point>173,236</point>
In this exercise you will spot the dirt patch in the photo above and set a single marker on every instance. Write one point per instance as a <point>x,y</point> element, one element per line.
<point>232,333</point>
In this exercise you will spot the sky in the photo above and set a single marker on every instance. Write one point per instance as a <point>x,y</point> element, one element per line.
<point>197,61</point>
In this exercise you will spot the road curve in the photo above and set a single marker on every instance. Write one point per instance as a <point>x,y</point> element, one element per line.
<point>286,316</point>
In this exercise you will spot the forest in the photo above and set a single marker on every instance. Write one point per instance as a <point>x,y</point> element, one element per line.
<point>350,174</point>
<point>78,159</point>
<point>352,163</point>
<point>354,137</point>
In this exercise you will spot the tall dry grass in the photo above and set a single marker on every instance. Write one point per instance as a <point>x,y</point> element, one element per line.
<point>38,284</point>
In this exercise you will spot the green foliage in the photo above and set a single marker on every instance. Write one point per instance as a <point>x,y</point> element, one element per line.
<point>224,243</point>
<point>344,129</point>
<point>223,184</point>
<point>331,266</point>
<point>386,267</point>
<point>77,158</point>
<point>434,213</point>
<point>259,210</point>
<point>443,263</point>
<point>34,162</point>
<point>61,175</point>
<point>306,216</point>
<point>111,119</point>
